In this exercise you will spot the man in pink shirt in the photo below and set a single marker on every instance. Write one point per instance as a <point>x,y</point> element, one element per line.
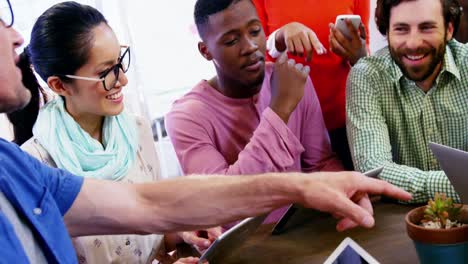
<point>253,116</point>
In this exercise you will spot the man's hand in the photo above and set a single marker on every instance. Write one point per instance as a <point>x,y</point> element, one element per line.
<point>298,40</point>
<point>345,194</point>
<point>349,49</point>
<point>287,85</point>
<point>160,207</point>
<point>201,240</point>
<point>346,223</point>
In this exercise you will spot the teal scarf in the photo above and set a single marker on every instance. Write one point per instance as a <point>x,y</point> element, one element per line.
<point>74,150</point>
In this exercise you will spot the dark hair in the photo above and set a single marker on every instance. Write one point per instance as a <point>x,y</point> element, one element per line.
<point>450,8</point>
<point>61,40</point>
<point>23,120</point>
<point>205,8</point>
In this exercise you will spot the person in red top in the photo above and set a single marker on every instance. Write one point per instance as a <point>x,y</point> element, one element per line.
<point>306,25</point>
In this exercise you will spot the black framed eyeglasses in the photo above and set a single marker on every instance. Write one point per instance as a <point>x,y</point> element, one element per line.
<point>110,77</point>
<point>7,18</point>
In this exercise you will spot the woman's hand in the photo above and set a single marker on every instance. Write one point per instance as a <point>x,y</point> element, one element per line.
<point>298,40</point>
<point>202,239</point>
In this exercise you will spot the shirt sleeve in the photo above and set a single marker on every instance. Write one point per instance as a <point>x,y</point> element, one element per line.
<point>362,8</point>
<point>370,142</point>
<point>271,46</point>
<point>63,185</point>
<point>318,154</point>
<point>272,147</point>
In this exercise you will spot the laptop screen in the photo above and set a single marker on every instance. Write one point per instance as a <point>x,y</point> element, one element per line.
<point>454,163</point>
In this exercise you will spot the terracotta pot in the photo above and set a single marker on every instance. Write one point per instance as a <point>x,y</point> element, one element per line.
<point>438,245</point>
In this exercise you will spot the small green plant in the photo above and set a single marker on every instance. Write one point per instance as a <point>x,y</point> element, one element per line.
<point>441,212</point>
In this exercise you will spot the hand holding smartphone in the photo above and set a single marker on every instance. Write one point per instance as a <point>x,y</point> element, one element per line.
<point>340,24</point>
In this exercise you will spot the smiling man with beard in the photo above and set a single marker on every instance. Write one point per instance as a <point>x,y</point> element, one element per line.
<point>252,117</point>
<point>413,92</point>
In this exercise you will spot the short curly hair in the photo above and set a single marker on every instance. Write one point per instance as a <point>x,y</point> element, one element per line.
<point>451,10</point>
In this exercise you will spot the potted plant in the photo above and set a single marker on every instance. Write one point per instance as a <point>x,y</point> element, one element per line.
<point>439,231</point>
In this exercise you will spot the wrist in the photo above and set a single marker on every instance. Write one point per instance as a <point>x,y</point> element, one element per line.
<point>280,43</point>
<point>271,45</point>
<point>283,112</point>
<point>275,190</point>
<point>294,187</point>
<point>362,53</point>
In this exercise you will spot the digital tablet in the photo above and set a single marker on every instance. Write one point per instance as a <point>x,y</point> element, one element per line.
<point>231,240</point>
<point>349,252</point>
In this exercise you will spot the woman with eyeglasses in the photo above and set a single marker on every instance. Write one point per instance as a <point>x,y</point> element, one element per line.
<point>85,129</point>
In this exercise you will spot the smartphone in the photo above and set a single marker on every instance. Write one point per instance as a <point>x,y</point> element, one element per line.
<point>340,24</point>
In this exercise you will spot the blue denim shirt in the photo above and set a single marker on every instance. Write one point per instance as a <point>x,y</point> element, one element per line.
<point>29,186</point>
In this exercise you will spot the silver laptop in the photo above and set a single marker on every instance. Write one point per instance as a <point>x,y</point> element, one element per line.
<point>454,163</point>
<point>231,240</point>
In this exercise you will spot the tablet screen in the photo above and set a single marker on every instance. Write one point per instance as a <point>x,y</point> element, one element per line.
<point>349,256</point>
<point>349,252</point>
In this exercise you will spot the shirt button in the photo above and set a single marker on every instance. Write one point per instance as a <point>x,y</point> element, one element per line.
<point>37,211</point>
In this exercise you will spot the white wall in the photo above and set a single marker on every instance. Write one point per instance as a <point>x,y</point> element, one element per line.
<point>377,41</point>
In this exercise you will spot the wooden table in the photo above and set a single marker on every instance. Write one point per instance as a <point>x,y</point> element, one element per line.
<point>313,237</point>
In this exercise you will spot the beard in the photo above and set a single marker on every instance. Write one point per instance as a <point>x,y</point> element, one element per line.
<point>20,100</point>
<point>245,86</point>
<point>421,72</point>
<point>257,81</point>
